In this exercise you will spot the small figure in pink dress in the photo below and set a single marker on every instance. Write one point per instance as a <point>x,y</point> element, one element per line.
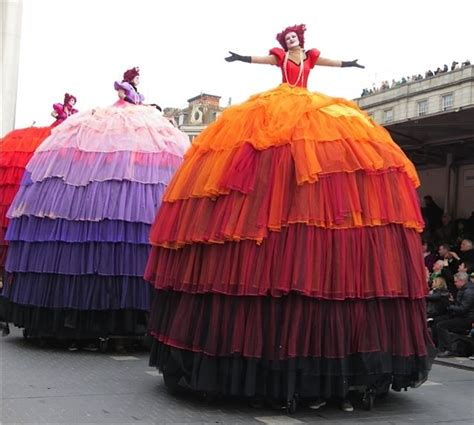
<point>61,111</point>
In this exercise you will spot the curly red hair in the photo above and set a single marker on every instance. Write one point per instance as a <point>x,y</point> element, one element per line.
<point>298,29</point>
<point>68,97</point>
<point>130,74</point>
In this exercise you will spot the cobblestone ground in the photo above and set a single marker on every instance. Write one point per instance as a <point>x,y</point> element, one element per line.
<point>53,385</point>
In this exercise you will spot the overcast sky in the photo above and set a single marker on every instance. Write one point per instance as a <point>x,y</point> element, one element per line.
<point>83,46</point>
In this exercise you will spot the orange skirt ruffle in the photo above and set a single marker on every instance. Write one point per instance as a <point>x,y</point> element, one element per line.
<point>325,135</point>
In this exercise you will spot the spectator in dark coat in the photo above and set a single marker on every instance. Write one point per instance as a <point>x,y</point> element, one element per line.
<point>467,251</point>
<point>437,300</point>
<point>462,314</point>
<point>466,266</point>
<point>450,258</point>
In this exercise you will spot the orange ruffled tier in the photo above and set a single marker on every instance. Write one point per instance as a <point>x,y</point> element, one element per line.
<point>16,149</point>
<point>286,169</point>
<point>325,135</point>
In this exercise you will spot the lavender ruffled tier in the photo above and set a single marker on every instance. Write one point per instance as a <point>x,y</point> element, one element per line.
<point>80,221</point>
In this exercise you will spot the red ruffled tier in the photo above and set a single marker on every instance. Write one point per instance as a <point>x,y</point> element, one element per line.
<point>262,194</point>
<point>382,261</point>
<point>3,216</point>
<point>12,159</point>
<point>288,327</point>
<point>11,175</point>
<point>7,193</point>
<point>24,140</point>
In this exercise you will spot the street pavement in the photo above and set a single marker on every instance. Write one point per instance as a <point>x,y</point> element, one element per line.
<point>50,385</point>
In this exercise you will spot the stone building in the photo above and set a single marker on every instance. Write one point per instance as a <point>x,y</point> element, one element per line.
<point>432,119</point>
<point>201,111</point>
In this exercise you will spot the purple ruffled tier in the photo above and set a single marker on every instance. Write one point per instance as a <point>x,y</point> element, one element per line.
<point>113,200</point>
<point>79,168</point>
<point>88,292</point>
<point>99,258</point>
<point>35,229</point>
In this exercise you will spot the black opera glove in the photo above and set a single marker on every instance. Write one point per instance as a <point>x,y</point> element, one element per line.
<point>346,64</point>
<point>235,57</point>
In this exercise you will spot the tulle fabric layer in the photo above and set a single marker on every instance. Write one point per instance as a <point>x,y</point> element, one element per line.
<point>333,264</point>
<point>25,140</point>
<point>3,216</point>
<point>86,292</point>
<point>309,377</point>
<point>113,129</point>
<point>260,194</point>
<point>11,159</point>
<point>7,194</point>
<point>113,200</point>
<point>288,327</point>
<point>11,175</point>
<point>75,324</point>
<point>339,139</point>
<point>101,258</point>
<point>34,229</point>
<point>79,168</point>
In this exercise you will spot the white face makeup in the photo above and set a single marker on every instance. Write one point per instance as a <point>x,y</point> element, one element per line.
<point>292,40</point>
<point>136,80</point>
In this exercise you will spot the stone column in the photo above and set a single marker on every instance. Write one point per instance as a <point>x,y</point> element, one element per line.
<point>11,16</point>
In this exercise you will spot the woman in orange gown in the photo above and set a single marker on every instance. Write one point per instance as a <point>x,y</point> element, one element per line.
<point>285,254</point>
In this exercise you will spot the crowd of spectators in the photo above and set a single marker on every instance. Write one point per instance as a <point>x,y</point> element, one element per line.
<point>385,85</point>
<point>448,252</point>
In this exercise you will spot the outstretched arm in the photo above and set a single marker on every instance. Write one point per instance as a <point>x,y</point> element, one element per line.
<point>344,64</point>
<point>267,60</point>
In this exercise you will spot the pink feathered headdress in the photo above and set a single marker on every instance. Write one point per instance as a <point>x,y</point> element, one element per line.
<point>298,29</point>
<point>130,74</point>
<point>68,97</point>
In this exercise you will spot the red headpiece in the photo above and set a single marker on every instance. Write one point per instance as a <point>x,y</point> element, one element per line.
<point>130,74</point>
<point>298,29</point>
<point>68,97</point>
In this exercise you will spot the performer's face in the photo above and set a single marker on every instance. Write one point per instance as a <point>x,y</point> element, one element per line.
<point>71,102</point>
<point>292,40</point>
<point>136,80</point>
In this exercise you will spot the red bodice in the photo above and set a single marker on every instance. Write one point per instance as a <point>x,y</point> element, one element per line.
<point>293,69</point>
